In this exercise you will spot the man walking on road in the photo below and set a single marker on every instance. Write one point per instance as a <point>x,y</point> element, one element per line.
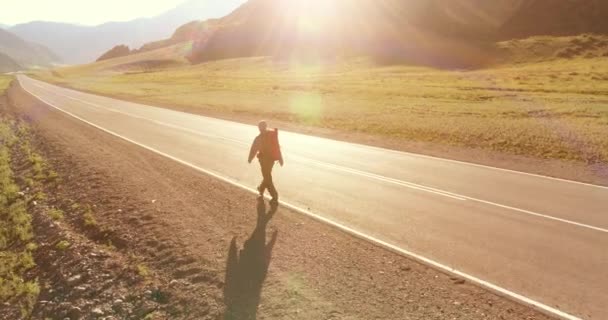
<point>266,147</point>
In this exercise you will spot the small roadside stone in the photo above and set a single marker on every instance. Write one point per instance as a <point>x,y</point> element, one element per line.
<point>118,306</point>
<point>97,312</point>
<point>74,279</point>
<point>146,308</point>
<point>74,313</point>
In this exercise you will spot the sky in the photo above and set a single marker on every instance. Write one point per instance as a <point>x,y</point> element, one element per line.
<point>85,12</point>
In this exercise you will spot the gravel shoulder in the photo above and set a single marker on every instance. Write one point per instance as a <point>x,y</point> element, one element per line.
<point>228,256</point>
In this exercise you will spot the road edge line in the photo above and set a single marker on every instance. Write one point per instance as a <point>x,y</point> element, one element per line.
<point>426,261</point>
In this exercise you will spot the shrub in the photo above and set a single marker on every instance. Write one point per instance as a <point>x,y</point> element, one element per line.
<point>89,219</point>
<point>143,270</point>
<point>62,245</point>
<point>56,214</point>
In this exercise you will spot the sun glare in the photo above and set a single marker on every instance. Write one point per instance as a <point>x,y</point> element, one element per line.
<point>312,15</point>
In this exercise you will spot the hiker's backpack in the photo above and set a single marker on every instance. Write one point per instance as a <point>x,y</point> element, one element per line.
<point>274,148</point>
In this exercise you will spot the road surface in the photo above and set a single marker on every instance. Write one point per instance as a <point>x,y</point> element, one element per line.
<point>539,239</point>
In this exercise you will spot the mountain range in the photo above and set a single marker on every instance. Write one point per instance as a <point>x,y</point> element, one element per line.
<point>455,32</point>
<point>24,53</point>
<point>425,31</point>
<point>81,44</point>
<point>7,64</point>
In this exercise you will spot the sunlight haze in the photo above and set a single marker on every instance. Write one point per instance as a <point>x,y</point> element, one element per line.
<point>82,12</point>
<point>304,159</point>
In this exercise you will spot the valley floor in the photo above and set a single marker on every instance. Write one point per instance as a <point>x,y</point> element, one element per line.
<point>154,239</point>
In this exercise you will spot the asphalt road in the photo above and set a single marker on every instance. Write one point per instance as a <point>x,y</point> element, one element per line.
<point>542,238</point>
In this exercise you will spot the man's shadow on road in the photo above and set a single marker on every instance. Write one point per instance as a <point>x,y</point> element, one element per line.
<point>246,269</point>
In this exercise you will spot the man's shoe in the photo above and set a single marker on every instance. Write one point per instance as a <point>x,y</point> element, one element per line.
<point>274,202</point>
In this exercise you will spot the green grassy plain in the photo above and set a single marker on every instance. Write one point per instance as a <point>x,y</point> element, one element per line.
<point>550,109</point>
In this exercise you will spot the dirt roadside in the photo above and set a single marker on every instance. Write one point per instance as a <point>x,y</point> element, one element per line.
<point>71,267</point>
<point>228,256</point>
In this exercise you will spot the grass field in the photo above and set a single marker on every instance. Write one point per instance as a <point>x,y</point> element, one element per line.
<point>551,109</point>
<point>16,233</point>
<point>5,81</point>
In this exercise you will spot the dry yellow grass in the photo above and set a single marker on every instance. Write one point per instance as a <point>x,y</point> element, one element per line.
<point>5,81</point>
<point>16,231</point>
<point>556,109</point>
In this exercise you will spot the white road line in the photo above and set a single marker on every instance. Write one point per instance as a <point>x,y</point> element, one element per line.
<point>421,155</point>
<point>402,183</point>
<point>302,159</point>
<point>518,297</point>
<point>156,121</point>
<point>382,178</point>
<point>462,197</point>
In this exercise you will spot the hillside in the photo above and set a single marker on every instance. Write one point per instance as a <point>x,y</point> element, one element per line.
<point>116,52</point>
<point>7,64</point>
<point>83,44</point>
<point>557,18</point>
<point>548,48</point>
<point>192,31</point>
<point>414,31</point>
<point>158,59</point>
<point>25,53</point>
<point>457,33</point>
